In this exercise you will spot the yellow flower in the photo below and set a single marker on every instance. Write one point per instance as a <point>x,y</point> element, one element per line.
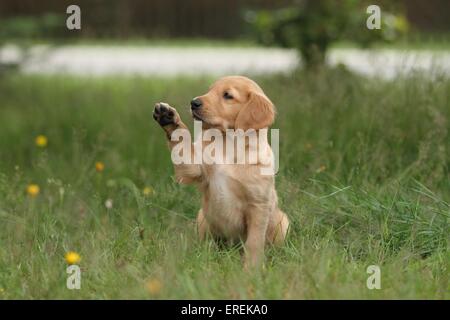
<point>99,166</point>
<point>147,191</point>
<point>41,141</point>
<point>322,168</point>
<point>33,190</point>
<point>2,290</point>
<point>72,257</point>
<point>154,286</point>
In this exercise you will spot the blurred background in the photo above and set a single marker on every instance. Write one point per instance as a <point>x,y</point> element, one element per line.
<point>310,28</point>
<point>220,19</point>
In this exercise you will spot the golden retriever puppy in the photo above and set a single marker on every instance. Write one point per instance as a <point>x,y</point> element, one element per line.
<point>239,203</point>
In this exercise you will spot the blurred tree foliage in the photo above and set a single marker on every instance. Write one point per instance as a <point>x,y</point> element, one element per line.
<point>22,31</point>
<point>30,27</point>
<point>312,26</point>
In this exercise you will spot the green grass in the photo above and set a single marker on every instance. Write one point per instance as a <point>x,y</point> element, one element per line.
<point>416,41</point>
<point>142,42</point>
<point>438,42</point>
<point>364,178</point>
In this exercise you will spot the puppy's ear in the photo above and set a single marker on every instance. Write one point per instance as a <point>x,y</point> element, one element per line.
<point>257,114</point>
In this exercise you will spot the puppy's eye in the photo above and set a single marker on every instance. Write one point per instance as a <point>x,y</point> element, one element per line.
<point>227,96</point>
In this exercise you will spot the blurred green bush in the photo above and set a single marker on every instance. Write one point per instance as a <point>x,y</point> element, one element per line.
<point>22,31</point>
<point>312,26</point>
<point>26,28</point>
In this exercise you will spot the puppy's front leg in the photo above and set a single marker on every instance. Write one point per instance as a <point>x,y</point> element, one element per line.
<point>257,223</point>
<point>169,119</point>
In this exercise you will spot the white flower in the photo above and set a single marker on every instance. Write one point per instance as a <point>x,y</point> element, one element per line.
<point>109,204</point>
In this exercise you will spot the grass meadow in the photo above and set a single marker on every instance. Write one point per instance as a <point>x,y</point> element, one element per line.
<point>364,178</point>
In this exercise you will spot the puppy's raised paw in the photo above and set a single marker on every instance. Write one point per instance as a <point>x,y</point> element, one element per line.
<point>165,114</point>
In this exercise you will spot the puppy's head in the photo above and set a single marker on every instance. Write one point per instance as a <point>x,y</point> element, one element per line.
<point>234,102</point>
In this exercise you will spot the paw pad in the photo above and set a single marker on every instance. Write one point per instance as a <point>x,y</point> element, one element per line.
<point>164,114</point>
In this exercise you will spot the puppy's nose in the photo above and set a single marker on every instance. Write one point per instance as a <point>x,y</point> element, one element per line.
<point>196,103</point>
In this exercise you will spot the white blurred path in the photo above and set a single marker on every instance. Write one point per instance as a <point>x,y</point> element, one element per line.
<point>170,61</point>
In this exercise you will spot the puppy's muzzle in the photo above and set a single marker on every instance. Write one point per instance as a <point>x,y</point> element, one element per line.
<point>196,104</point>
